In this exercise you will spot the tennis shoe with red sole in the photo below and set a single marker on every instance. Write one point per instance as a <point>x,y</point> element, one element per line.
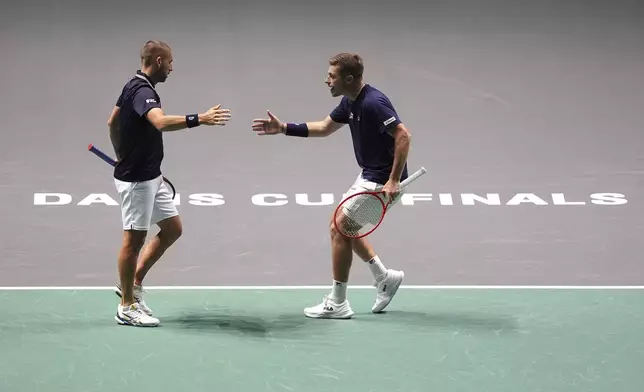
<point>387,289</point>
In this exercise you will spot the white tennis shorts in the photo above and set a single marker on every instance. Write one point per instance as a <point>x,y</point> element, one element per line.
<point>145,203</point>
<point>363,185</point>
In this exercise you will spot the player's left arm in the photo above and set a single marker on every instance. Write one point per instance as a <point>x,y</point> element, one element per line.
<point>389,122</point>
<point>402,138</point>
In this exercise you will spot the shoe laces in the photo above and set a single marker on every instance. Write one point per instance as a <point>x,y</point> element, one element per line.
<point>328,301</point>
<point>139,291</point>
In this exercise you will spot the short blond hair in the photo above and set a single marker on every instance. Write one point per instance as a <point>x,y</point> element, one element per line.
<point>153,49</point>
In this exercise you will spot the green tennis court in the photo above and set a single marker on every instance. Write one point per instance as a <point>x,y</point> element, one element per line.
<point>258,340</point>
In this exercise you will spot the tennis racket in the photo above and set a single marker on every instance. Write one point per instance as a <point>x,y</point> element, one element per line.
<point>360,214</point>
<point>112,162</point>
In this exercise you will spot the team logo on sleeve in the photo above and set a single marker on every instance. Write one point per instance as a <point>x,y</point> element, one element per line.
<point>389,121</point>
<point>150,100</point>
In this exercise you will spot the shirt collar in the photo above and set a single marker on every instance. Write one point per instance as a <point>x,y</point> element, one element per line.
<point>141,75</point>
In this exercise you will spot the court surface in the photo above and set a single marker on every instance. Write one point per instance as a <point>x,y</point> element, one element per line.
<point>521,246</point>
<point>254,339</point>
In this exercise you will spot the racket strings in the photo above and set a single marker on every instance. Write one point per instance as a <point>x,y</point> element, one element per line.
<point>359,215</point>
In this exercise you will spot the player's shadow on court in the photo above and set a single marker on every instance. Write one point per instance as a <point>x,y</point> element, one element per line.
<point>449,320</point>
<point>218,321</point>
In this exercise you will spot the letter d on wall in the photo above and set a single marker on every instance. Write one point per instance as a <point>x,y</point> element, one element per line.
<point>59,199</point>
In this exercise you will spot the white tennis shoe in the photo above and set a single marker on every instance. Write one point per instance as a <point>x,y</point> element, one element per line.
<point>387,289</point>
<point>138,297</point>
<point>134,316</point>
<point>328,309</point>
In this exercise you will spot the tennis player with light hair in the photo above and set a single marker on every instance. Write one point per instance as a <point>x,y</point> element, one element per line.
<point>136,126</point>
<point>381,145</point>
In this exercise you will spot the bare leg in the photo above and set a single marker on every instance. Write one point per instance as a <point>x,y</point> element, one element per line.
<point>336,305</point>
<point>342,258</point>
<point>365,251</point>
<point>132,242</point>
<point>171,230</point>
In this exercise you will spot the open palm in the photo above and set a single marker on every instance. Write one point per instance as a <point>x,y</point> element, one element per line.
<point>267,126</point>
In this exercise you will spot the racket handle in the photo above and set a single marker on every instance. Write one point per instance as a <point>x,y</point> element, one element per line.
<point>101,154</point>
<point>413,177</point>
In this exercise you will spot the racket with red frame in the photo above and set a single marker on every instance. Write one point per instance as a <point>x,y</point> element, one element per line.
<point>360,214</point>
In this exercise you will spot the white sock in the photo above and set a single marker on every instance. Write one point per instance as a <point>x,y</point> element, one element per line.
<point>378,270</point>
<point>339,292</point>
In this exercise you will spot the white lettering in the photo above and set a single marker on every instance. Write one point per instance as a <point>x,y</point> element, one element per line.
<point>526,198</point>
<point>608,198</point>
<point>389,121</point>
<point>260,199</point>
<point>560,200</point>
<point>206,199</point>
<point>40,199</point>
<point>491,199</point>
<point>446,199</point>
<point>326,199</point>
<point>408,199</point>
<point>303,199</point>
<point>103,198</point>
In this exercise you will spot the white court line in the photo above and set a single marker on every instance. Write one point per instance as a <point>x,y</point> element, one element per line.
<point>326,287</point>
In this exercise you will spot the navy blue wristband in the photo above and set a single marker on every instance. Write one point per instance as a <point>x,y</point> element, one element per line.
<point>192,120</point>
<point>299,130</point>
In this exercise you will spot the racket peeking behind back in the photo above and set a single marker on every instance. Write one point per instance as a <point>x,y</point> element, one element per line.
<point>112,163</point>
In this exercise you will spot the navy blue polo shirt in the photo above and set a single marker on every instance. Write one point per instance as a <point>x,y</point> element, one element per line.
<point>371,117</point>
<point>141,148</point>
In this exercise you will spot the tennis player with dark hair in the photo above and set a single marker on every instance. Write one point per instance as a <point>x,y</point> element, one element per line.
<point>136,126</point>
<point>381,146</point>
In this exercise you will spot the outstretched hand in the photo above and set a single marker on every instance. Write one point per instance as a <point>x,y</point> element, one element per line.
<point>215,116</point>
<point>267,126</point>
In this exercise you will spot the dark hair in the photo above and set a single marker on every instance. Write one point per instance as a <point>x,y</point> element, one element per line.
<point>153,49</point>
<point>348,64</point>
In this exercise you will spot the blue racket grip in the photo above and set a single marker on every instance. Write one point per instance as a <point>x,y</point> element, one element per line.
<point>101,155</point>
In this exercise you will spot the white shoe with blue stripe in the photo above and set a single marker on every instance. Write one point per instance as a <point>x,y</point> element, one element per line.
<point>138,297</point>
<point>134,316</point>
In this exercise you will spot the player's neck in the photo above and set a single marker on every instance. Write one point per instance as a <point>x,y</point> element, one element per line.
<point>353,95</point>
<point>150,74</point>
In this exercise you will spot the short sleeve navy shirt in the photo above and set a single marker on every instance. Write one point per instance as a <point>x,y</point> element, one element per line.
<point>141,144</point>
<point>371,117</point>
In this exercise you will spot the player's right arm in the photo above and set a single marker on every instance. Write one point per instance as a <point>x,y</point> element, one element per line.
<point>273,126</point>
<point>331,123</point>
<point>166,122</point>
<point>145,104</point>
<point>322,128</point>
<point>172,122</point>
<point>334,121</point>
